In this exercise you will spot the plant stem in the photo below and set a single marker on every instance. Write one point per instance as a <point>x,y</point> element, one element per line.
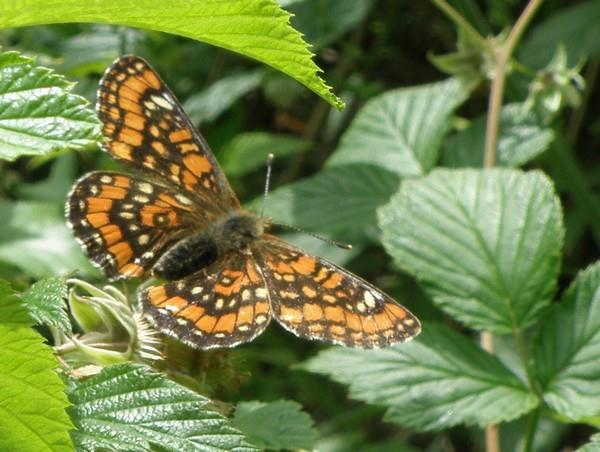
<point>492,436</point>
<point>461,23</point>
<point>502,56</point>
<point>532,422</point>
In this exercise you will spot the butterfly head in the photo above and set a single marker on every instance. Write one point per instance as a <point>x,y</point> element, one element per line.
<point>238,230</point>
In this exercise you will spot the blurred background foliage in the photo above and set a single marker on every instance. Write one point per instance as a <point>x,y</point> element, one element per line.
<point>245,110</point>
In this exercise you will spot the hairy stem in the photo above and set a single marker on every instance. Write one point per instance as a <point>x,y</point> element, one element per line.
<point>502,56</point>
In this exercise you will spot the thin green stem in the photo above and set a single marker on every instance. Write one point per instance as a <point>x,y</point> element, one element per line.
<point>502,56</point>
<point>461,22</point>
<point>532,422</point>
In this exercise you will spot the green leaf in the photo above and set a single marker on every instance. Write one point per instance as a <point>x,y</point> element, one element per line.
<point>36,240</point>
<point>258,29</point>
<point>91,52</point>
<point>38,113</point>
<point>276,425</point>
<point>567,349</point>
<point>32,398</point>
<point>58,183</point>
<point>218,97</point>
<point>248,151</point>
<point>401,130</point>
<point>439,380</point>
<point>323,21</point>
<point>340,201</point>
<point>45,300</point>
<point>129,407</point>
<point>521,139</point>
<point>484,244</point>
<point>576,27</point>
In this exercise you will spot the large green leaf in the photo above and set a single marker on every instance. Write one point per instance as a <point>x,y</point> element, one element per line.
<point>567,349</point>
<point>248,151</point>
<point>324,21</point>
<point>38,112</point>
<point>35,239</point>
<point>576,27</point>
<point>32,398</point>
<point>46,302</point>
<point>258,29</point>
<point>276,425</point>
<point>129,407</point>
<point>401,130</point>
<point>341,200</point>
<point>439,380</point>
<point>484,244</point>
<point>218,97</point>
<point>521,139</point>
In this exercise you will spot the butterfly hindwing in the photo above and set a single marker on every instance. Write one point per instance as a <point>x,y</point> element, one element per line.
<point>316,299</point>
<point>221,306</point>
<point>123,222</point>
<point>146,127</point>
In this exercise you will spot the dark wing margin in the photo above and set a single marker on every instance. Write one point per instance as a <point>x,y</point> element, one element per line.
<point>146,127</point>
<point>222,306</point>
<point>318,300</point>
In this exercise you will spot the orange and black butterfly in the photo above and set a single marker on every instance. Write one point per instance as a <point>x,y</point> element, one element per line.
<point>224,276</point>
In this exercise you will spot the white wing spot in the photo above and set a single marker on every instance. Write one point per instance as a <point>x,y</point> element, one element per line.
<point>261,292</point>
<point>368,299</point>
<point>219,304</point>
<point>146,187</point>
<point>182,199</point>
<point>143,239</point>
<point>127,216</point>
<point>260,319</point>
<point>106,179</point>
<point>141,198</point>
<point>361,307</point>
<point>245,295</point>
<point>162,102</point>
<point>196,290</point>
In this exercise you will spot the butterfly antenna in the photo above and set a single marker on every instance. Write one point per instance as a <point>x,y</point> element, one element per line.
<point>267,183</point>
<point>342,245</point>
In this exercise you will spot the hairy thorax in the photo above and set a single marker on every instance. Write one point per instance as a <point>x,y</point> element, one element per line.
<point>236,231</point>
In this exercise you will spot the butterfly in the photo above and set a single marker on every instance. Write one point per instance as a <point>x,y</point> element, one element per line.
<point>224,277</point>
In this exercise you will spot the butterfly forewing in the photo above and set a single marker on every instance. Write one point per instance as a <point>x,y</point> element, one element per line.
<point>316,299</point>
<point>221,306</point>
<point>124,222</point>
<point>146,127</point>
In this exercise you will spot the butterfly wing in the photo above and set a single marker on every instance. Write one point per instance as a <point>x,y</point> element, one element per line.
<point>221,306</point>
<point>316,299</point>
<point>123,222</point>
<point>147,128</point>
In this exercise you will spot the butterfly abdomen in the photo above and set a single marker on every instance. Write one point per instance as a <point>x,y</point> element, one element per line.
<point>186,257</point>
